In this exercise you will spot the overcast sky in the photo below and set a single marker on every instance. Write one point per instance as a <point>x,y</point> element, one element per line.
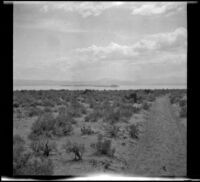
<point>84,41</point>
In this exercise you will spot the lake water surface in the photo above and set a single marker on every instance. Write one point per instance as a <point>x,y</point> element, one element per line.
<point>122,87</point>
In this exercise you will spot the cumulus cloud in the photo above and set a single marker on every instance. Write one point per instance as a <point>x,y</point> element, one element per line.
<point>83,8</point>
<point>111,48</point>
<point>157,8</point>
<point>151,44</point>
<point>96,8</point>
<point>121,47</point>
<point>163,41</point>
<point>86,9</point>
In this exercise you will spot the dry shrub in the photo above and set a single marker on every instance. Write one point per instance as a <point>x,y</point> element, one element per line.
<point>87,130</point>
<point>93,117</point>
<point>112,116</point>
<point>103,147</point>
<point>112,130</point>
<point>77,149</point>
<point>182,103</point>
<point>134,131</point>
<point>146,106</point>
<point>48,126</point>
<point>43,147</point>
<point>38,166</point>
<point>43,126</point>
<point>19,158</point>
<point>63,125</point>
<point>25,163</point>
<point>183,112</point>
<point>34,111</point>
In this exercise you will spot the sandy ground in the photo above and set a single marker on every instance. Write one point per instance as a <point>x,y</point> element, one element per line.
<point>162,150</point>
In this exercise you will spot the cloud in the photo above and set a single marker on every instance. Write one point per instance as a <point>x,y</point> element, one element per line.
<point>85,9</point>
<point>163,41</point>
<point>157,8</point>
<point>111,48</point>
<point>169,42</point>
<point>162,54</point>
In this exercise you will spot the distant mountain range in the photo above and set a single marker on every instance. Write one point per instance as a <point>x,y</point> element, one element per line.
<point>103,82</point>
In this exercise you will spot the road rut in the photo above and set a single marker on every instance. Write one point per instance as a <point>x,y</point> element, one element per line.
<point>162,149</point>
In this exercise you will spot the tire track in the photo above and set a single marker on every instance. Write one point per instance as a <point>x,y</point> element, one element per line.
<point>161,151</point>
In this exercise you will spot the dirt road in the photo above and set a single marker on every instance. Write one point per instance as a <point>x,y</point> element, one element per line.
<point>162,149</point>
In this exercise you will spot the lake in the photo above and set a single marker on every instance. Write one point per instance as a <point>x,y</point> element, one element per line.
<point>122,87</point>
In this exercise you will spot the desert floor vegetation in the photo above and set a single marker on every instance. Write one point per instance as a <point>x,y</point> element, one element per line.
<point>65,132</point>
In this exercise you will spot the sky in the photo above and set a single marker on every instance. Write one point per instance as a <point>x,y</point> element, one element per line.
<point>84,41</point>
